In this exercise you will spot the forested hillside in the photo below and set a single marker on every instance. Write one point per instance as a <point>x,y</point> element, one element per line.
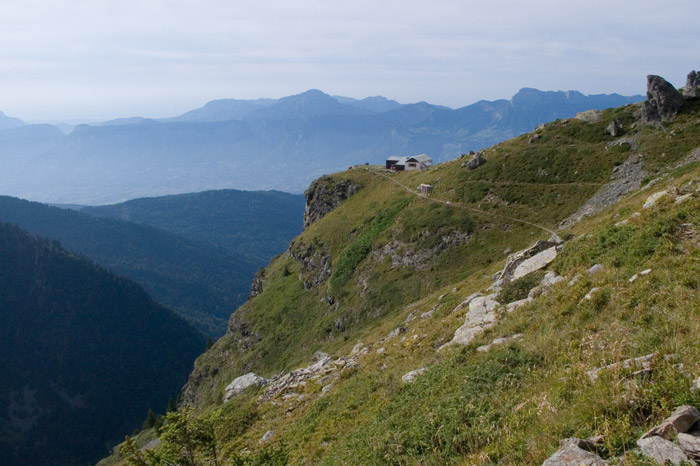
<point>83,354</point>
<point>256,225</point>
<point>202,282</point>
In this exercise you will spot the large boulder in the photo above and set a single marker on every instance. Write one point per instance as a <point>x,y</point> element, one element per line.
<point>663,100</point>
<point>662,451</point>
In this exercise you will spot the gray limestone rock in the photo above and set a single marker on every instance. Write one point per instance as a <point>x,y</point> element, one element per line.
<point>324,195</point>
<point>590,116</point>
<point>521,263</point>
<point>410,376</point>
<point>241,383</point>
<point>680,421</point>
<point>573,455</point>
<point>614,129</point>
<point>643,363</point>
<point>691,85</point>
<point>653,199</point>
<point>476,161</point>
<point>663,100</point>
<point>662,451</point>
<point>481,315</point>
<point>690,444</point>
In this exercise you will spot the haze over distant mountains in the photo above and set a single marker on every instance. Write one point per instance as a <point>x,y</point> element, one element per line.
<point>259,144</point>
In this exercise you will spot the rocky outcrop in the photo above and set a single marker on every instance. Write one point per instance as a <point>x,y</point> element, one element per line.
<point>410,255</point>
<point>476,161</point>
<point>324,195</point>
<point>315,262</point>
<point>691,90</point>
<point>590,116</point>
<point>242,332</point>
<point>614,129</point>
<point>239,384</point>
<point>481,315</point>
<point>528,260</point>
<point>256,286</point>
<point>625,178</point>
<point>663,100</point>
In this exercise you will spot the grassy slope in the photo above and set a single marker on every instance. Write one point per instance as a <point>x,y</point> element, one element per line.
<point>512,404</point>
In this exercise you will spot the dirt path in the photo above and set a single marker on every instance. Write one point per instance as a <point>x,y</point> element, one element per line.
<point>461,206</point>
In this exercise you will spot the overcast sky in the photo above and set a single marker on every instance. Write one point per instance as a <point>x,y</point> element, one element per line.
<point>93,59</point>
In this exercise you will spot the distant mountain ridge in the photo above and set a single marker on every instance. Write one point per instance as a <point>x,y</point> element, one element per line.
<point>7,122</point>
<point>263,144</point>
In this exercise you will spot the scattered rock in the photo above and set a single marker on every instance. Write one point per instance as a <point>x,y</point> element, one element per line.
<point>625,178</point>
<point>573,455</point>
<point>590,294</point>
<point>267,436</point>
<point>394,333</point>
<point>410,376</point>
<point>663,100</point>
<point>653,199</point>
<point>499,341</point>
<point>680,421</point>
<point>639,274</point>
<point>595,269</point>
<point>662,451</point>
<point>241,383</point>
<point>357,348</point>
<point>551,278</point>
<point>643,362</point>
<point>682,198</point>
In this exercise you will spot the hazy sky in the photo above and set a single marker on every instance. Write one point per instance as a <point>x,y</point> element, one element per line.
<point>95,59</point>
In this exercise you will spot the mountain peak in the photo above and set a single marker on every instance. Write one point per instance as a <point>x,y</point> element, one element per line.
<point>8,122</point>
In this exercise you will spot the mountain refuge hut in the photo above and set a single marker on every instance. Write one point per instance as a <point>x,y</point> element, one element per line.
<point>416,162</point>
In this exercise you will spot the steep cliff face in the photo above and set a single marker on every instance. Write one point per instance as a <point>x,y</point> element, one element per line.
<point>326,194</point>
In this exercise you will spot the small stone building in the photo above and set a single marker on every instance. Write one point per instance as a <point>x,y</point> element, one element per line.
<point>425,189</point>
